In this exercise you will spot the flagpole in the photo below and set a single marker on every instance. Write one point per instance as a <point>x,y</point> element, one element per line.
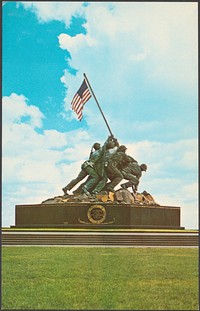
<point>98,104</point>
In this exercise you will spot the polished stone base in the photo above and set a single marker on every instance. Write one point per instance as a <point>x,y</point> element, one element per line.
<point>97,215</point>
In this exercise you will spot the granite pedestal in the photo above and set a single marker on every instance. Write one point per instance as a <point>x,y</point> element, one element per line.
<point>97,215</point>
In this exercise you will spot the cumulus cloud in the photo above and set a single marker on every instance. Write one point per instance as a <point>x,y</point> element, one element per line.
<point>163,33</point>
<point>170,179</point>
<point>17,109</point>
<point>152,29</point>
<point>35,165</point>
<point>138,45</point>
<point>76,43</point>
<point>54,10</point>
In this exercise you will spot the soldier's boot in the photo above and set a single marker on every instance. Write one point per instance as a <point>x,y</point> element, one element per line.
<point>85,190</point>
<point>116,180</point>
<point>95,192</point>
<point>77,192</point>
<point>65,190</point>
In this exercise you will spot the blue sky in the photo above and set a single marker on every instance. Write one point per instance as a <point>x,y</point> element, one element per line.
<point>141,60</point>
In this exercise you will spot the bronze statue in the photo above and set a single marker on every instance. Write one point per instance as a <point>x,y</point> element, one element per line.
<point>93,168</point>
<point>109,162</point>
<point>132,172</point>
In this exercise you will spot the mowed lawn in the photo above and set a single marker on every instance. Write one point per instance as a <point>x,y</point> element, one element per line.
<point>59,278</point>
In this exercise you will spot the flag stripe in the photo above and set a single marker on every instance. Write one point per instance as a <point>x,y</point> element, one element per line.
<point>79,108</point>
<point>86,95</point>
<point>80,98</point>
<point>77,103</point>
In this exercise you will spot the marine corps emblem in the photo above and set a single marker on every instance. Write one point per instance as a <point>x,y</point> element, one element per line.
<point>96,214</point>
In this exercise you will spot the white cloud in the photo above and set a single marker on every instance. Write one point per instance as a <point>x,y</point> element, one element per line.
<point>137,57</point>
<point>76,43</point>
<point>157,41</point>
<point>20,136</point>
<point>54,10</point>
<point>124,41</point>
<point>164,34</point>
<point>17,108</point>
<point>170,178</point>
<point>182,153</point>
<point>37,166</point>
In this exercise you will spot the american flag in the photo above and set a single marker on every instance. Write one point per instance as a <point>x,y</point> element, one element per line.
<point>80,98</point>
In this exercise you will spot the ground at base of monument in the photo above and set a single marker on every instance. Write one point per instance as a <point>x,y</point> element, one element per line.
<point>72,274</point>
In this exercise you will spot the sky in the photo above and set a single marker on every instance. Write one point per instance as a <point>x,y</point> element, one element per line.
<point>141,61</point>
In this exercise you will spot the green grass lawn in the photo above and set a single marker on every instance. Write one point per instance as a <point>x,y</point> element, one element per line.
<point>59,278</point>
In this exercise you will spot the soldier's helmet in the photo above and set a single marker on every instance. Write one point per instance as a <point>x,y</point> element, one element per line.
<point>143,167</point>
<point>96,146</point>
<point>122,148</point>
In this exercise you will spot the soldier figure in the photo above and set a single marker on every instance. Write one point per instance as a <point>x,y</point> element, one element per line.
<point>110,149</point>
<point>113,167</point>
<point>87,168</point>
<point>109,161</point>
<point>132,172</point>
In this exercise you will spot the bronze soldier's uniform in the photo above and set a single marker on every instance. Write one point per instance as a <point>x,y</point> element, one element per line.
<point>101,166</point>
<point>95,177</point>
<point>87,168</point>
<point>114,163</point>
<point>132,172</point>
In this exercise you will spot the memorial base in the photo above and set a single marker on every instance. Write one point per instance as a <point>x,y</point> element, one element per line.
<point>98,215</point>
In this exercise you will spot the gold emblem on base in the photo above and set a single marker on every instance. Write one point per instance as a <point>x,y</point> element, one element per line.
<point>96,214</point>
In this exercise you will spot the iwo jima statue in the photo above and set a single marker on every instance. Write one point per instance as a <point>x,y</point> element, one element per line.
<point>106,167</point>
<point>96,203</point>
